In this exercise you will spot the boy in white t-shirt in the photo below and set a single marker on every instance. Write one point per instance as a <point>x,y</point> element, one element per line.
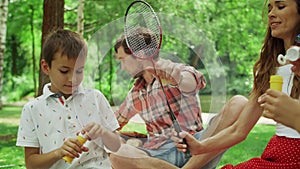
<point>50,123</point>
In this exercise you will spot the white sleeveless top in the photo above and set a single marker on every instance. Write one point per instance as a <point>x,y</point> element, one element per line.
<point>286,73</point>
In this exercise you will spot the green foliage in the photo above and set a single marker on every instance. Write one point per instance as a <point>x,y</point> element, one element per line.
<point>17,87</point>
<point>235,29</point>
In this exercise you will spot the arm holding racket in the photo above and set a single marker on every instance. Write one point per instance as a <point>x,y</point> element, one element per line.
<point>186,78</point>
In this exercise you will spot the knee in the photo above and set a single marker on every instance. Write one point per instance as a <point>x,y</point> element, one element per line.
<point>129,151</point>
<point>128,161</point>
<point>237,102</point>
<point>234,107</point>
<point>122,162</point>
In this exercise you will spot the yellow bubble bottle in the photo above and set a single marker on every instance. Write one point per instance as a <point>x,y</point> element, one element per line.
<point>82,139</point>
<point>276,82</point>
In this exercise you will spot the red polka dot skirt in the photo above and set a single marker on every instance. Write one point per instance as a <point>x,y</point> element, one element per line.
<point>280,153</point>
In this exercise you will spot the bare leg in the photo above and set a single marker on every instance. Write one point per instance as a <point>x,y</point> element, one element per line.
<point>229,113</point>
<point>129,157</point>
<point>227,116</point>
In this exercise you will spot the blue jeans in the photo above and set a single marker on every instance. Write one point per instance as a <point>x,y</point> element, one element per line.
<point>169,153</point>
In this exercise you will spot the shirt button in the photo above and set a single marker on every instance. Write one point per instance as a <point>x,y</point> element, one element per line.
<point>69,117</point>
<point>67,105</point>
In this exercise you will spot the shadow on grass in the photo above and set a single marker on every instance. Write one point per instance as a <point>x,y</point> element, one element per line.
<point>8,135</point>
<point>11,112</point>
<point>11,156</point>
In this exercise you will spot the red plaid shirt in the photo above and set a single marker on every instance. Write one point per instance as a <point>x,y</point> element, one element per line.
<point>150,103</point>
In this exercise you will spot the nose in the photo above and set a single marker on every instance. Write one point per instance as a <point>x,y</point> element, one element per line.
<point>271,13</point>
<point>72,77</point>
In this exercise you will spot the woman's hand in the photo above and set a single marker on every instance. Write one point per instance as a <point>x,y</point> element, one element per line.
<point>280,107</point>
<point>192,143</point>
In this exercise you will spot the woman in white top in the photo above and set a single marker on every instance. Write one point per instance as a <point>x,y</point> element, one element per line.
<point>276,111</point>
<point>283,150</point>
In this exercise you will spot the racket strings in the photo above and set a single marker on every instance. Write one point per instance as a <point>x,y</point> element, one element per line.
<point>141,16</point>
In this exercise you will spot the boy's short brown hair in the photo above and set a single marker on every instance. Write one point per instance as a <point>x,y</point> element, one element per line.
<point>63,42</point>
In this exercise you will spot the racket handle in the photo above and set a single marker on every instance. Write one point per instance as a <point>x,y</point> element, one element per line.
<point>176,126</point>
<point>82,139</point>
<point>187,154</point>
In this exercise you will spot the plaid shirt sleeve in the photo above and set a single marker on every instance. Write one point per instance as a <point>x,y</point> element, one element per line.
<point>128,108</point>
<point>199,77</point>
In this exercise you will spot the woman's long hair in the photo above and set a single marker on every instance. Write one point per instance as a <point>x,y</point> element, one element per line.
<point>266,65</point>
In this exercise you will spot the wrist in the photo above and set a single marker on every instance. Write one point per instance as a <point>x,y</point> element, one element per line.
<point>58,153</point>
<point>180,79</point>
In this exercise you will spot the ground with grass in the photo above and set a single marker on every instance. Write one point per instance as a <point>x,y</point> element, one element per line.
<point>13,157</point>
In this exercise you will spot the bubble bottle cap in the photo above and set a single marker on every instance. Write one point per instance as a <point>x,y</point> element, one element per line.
<point>82,138</point>
<point>276,82</point>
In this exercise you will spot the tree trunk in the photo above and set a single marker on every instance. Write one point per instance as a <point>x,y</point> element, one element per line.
<point>33,49</point>
<point>53,19</point>
<point>3,19</point>
<point>80,17</point>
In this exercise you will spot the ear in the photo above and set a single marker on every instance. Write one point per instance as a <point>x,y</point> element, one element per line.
<point>45,67</point>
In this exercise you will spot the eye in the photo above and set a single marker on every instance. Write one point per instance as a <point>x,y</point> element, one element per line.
<point>79,71</point>
<point>281,7</point>
<point>64,71</point>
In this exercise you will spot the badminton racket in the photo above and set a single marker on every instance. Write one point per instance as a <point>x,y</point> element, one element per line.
<point>141,20</point>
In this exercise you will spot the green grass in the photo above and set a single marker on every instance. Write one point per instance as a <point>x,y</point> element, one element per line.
<point>10,155</point>
<point>13,157</point>
<point>205,102</point>
<point>137,127</point>
<point>10,112</point>
<point>253,146</point>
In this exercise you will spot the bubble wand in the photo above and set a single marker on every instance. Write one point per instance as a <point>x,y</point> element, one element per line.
<point>292,54</point>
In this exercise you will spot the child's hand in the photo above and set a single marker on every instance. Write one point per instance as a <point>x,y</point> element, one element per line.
<point>167,70</point>
<point>93,130</point>
<point>71,148</point>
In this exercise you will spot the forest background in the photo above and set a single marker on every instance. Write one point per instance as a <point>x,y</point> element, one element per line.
<point>221,38</point>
